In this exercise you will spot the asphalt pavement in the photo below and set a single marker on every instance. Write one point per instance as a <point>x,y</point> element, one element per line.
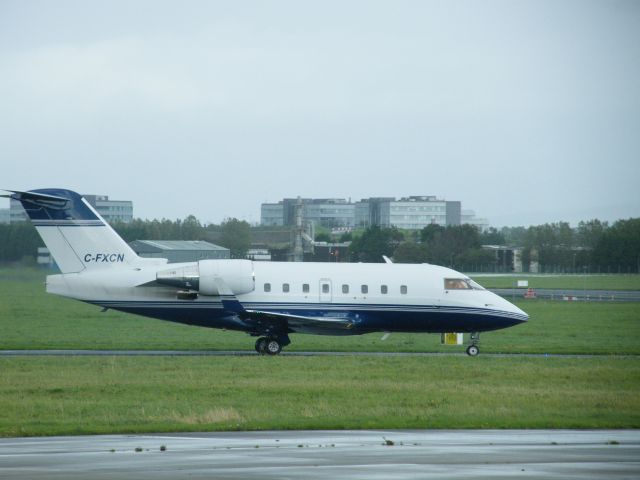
<point>378,454</point>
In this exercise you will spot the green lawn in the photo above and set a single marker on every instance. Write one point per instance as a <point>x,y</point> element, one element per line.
<point>81,395</point>
<point>575,282</point>
<point>32,319</point>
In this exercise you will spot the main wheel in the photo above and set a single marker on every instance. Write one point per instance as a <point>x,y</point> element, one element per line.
<point>473,350</point>
<point>261,345</point>
<point>273,347</point>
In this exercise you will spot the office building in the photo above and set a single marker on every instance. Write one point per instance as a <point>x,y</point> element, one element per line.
<point>407,213</point>
<point>325,212</point>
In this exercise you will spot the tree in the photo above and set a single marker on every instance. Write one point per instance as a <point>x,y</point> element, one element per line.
<point>17,241</point>
<point>619,246</point>
<point>589,233</point>
<point>346,237</point>
<point>492,237</point>
<point>514,236</point>
<point>374,243</point>
<point>323,237</point>
<point>236,236</point>
<point>191,229</point>
<point>409,252</point>
<point>447,245</point>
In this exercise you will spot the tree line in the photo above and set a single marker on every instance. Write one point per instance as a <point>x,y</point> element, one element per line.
<point>19,241</point>
<point>592,246</point>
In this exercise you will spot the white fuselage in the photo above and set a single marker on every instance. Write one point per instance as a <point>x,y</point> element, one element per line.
<point>327,289</point>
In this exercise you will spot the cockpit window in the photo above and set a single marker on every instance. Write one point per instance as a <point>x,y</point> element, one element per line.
<point>474,285</point>
<point>461,284</point>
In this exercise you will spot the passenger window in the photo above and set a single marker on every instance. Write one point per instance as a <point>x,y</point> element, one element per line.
<point>403,289</point>
<point>285,287</point>
<point>364,288</point>
<point>267,287</point>
<point>384,289</point>
<point>456,284</point>
<point>305,288</point>
<point>345,288</point>
<point>325,288</point>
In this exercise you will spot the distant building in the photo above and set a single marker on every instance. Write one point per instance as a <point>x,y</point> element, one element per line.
<point>179,250</point>
<point>110,210</point>
<point>507,259</point>
<point>44,257</point>
<point>413,213</point>
<point>469,218</point>
<point>16,212</point>
<point>272,214</point>
<point>259,254</point>
<point>326,212</point>
<point>328,252</point>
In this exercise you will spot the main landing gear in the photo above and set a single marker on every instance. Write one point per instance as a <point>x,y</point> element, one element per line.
<point>472,349</point>
<point>271,345</point>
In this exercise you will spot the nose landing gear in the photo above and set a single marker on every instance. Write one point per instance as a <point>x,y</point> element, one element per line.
<point>472,349</point>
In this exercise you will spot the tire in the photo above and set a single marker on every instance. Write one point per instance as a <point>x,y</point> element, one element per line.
<point>473,350</point>
<point>272,347</point>
<point>261,345</point>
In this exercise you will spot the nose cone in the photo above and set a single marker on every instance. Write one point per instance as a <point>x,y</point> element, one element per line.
<point>509,310</point>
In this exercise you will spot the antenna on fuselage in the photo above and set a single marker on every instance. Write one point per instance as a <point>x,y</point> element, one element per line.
<point>386,259</point>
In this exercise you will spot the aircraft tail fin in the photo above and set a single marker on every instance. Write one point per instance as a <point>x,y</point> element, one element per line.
<point>75,234</point>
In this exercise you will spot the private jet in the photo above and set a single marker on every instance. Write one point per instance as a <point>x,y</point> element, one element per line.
<point>268,300</point>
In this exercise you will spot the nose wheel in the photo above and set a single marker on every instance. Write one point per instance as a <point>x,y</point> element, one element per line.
<point>473,350</point>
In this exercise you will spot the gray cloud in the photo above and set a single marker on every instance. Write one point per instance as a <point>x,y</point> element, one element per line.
<point>526,111</point>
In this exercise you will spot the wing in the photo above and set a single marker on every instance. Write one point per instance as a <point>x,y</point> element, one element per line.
<point>301,322</point>
<point>288,321</point>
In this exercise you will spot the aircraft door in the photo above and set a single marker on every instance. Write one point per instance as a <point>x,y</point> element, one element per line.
<point>325,290</point>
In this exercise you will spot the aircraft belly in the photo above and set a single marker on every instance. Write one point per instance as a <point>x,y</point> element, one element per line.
<point>439,322</point>
<point>373,318</point>
<point>209,314</point>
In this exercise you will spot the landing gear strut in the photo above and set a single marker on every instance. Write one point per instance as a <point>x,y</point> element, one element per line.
<point>472,349</point>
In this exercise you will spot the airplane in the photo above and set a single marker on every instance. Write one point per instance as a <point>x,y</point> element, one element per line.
<point>268,300</point>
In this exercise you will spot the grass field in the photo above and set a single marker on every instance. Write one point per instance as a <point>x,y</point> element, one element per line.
<point>83,395</point>
<point>32,319</point>
<point>50,396</point>
<point>577,282</point>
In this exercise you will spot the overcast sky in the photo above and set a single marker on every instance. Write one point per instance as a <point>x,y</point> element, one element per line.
<point>526,111</point>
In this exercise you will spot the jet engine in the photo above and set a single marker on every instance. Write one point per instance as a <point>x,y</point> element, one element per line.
<point>211,277</point>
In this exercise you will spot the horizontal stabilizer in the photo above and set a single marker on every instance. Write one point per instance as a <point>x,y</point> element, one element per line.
<point>52,200</point>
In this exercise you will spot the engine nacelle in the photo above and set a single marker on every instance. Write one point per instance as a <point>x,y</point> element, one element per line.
<point>236,275</point>
<point>212,277</point>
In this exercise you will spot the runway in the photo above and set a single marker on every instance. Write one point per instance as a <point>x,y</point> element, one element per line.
<point>246,353</point>
<point>379,454</point>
